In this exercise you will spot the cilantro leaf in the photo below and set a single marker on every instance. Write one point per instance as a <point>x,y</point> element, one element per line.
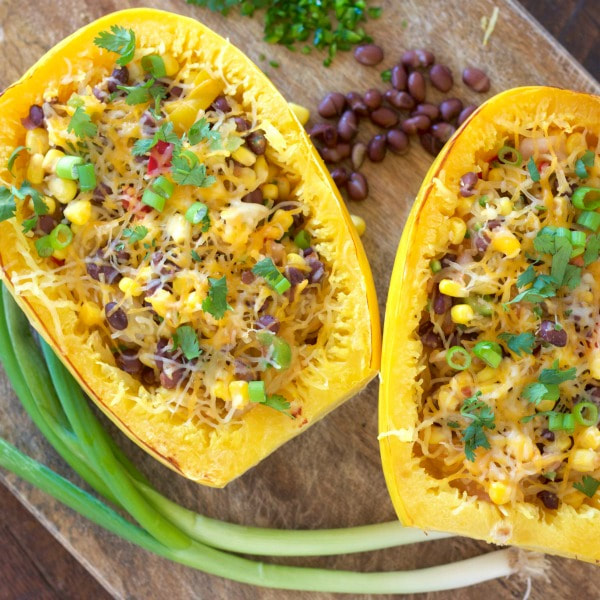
<point>536,392</point>
<point>482,417</point>
<point>196,256</point>
<point>526,277</point>
<point>121,41</point>
<point>561,259</point>
<point>523,342</point>
<point>592,249</point>
<point>202,130</point>
<point>278,403</point>
<point>572,277</point>
<point>544,243</point>
<point>186,338</point>
<point>533,170</point>
<point>81,124</point>
<point>137,94</point>
<point>266,268</point>
<point>187,170</point>
<point>39,206</point>
<point>589,485</point>
<point>135,235</point>
<point>13,157</point>
<point>216,301</point>
<point>29,224</point>
<point>555,375</point>
<point>163,134</point>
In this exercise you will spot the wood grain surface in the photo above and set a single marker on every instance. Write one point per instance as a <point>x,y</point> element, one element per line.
<point>330,476</point>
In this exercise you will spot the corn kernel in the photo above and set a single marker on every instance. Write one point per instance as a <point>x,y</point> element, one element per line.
<point>261,169</point>
<point>179,229</point>
<point>586,296</point>
<point>505,207</point>
<point>589,438</point>
<point>182,113</point>
<point>462,313</point>
<point>270,191</point>
<point>457,229</point>
<point>37,141</point>
<point>496,174</point>
<point>205,90</point>
<point>584,460</point>
<point>193,301</point>
<point>545,405</point>
<point>576,141</point>
<point>79,212</point>
<point>221,390</point>
<point>50,160</point>
<point>302,113</point>
<point>487,374</point>
<point>574,499</point>
<point>452,288</point>
<point>145,274</point>
<point>295,260</point>
<point>130,286</point>
<point>283,218</point>
<point>437,435</point>
<point>161,301</point>
<point>359,224</point>
<point>35,171</point>
<point>171,65</point>
<point>562,441</point>
<point>499,492</point>
<point>181,285</point>
<point>244,155</point>
<point>506,243</point>
<point>64,190</point>
<point>247,177</point>
<point>594,365</point>
<point>238,391</point>
<point>521,447</point>
<point>90,314</point>
<point>284,188</point>
<point>448,400</point>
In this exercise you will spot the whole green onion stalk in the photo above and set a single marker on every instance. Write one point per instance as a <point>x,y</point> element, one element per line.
<point>62,414</point>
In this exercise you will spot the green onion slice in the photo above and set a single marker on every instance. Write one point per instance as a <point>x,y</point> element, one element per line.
<point>510,156</point>
<point>256,391</point>
<point>465,358</point>
<point>153,199</point>
<point>589,219</point>
<point>589,408</point>
<point>87,177</point>
<point>533,170</point>
<point>302,240</point>
<point>154,65</point>
<point>580,196</point>
<point>563,232</point>
<point>581,170</point>
<point>163,187</point>
<point>196,213</point>
<point>266,268</point>
<point>282,353</point>
<point>561,422</point>
<point>578,238</point>
<point>66,167</point>
<point>43,246</point>
<point>488,352</point>
<point>60,237</point>
<point>435,266</point>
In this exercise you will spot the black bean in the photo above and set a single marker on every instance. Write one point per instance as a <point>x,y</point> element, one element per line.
<point>148,376</point>
<point>340,177</point>
<point>243,370</point>
<point>410,59</point>
<point>347,126</point>
<point>427,109</point>
<point>548,435</point>
<point>430,339</point>
<point>425,57</point>
<point>430,143</point>
<point>384,117</point>
<point>357,186</point>
<point>465,113</point>
<point>129,362</point>
<point>93,270</point>
<point>100,192</point>
<point>476,79</point>
<point>414,124</point>
<point>220,103</point>
<point>317,270</point>
<point>399,77</point>
<point>441,303</point>
<point>170,382</point>
<point>416,86</point>
<point>549,499</point>
<point>372,98</point>
<point>247,277</point>
<point>257,142</point>
<point>335,155</point>
<point>493,224</point>
<point>482,241</point>
<point>376,148</point>
<point>99,94</point>
<point>157,258</point>
<point>441,78</point>
<point>119,76</point>
<point>241,124</point>
<point>397,141</point>
<point>357,104</point>
<point>359,151</point>
<point>549,333</point>
<point>450,108</point>
<point>325,133</point>
<point>176,91</point>
<point>254,197</point>
<point>46,223</point>
<point>332,105</point>
<point>268,322</point>
<point>34,118</point>
<point>294,275</point>
<point>116,317</point>
<point>400,100</point>
<point>443,131</point>
<point>368,54</point>
<point>467,184</point>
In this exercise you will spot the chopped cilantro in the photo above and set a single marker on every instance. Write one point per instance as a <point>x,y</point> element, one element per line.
<point>526,277</point>
<point>555,375</point>
<point>544,243</point>
<point>187,170</point>
<point>198,213</point>
<point>278,403</point>
<point>195,256</point>
<point>482,417</point>
<point>203,130</point>
<point>592,249</point>
<point>523,342</point>
<point>533,170</point>
<point>386,75</point>
<point>216,301</point>
<point>7,200</point>
<point>562,256</point>
<point>139,94</point>
<point>121,41</point>
<point>13,157</point>
<point>135,235</point>
<point>29,224</point>
<point>81,124</point>
<point>163,134</point>
<point>536,392</point>
<point>266,268</point>
<point>186,338</point>
<point>588,486</point>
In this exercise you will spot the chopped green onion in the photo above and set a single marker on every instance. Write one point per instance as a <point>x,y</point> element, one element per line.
<point>510,156</point>
<point>480,305</point>
<point>592,414</point>
<point>533,170</point>
<point>87,177</point>
<point>266,268</point>
<point>196,213</point>
<point>547,230</point>
<point>577,251</point>
<point>561,422</point>
<point>386,75</point>
<point>282,285</point>
<point>464,356</point>
<point>154,65</point>
<point>563,232</point>
<point>435,265</point>
<point>483,201</point>
<point>578,238</point>
<point>66,167</point>
<point>579,198</point>
<point>162,186</point>
<point>302,240</point>
<point>581,170</point>
<point>153,199</point>
<point>488,352</point>
<point>43,246</point>
<point>589,220</point>
<point>282,353</point>
<point>60,237</point>
<point>256,391</point>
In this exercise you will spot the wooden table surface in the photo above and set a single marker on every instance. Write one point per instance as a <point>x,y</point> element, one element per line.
<point>338,481</point>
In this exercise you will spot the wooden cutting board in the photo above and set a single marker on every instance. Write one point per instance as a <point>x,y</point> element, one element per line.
<point>330,476</point>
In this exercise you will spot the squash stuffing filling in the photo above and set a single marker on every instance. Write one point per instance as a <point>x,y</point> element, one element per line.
<point>182,236</point>
<point>512,327</point>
